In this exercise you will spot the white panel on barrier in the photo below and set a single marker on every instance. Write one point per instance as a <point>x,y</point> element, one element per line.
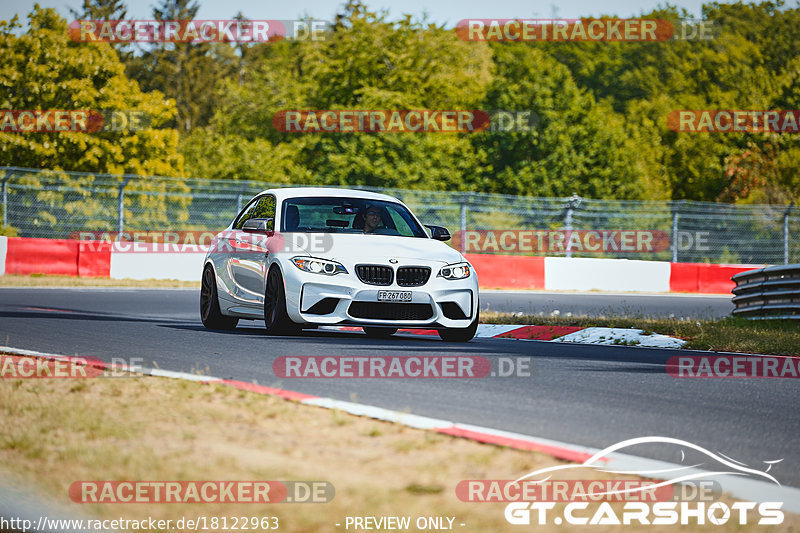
<point>184,265</point>
<point>618,275</point>
<point>3,253</point>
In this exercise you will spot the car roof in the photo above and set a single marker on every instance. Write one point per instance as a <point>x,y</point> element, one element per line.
<point>295,192</point>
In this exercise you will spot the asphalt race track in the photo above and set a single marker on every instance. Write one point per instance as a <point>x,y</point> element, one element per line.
<point>696,306</point>
<point>589,395</point>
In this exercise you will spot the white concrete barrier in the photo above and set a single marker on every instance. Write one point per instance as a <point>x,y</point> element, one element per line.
<point>3,252</point>
<point>145,262</point>
<point>619,275</point>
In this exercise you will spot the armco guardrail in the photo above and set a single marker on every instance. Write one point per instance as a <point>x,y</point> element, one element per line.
<point>770,292</point>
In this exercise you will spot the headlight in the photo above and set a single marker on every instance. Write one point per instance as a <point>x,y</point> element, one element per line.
<point>457,271</point>
<point>319,266</point>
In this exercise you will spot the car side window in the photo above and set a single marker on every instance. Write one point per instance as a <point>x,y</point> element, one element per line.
<point>400,223</point>
<point>239,222</point>
<point>263,207</point>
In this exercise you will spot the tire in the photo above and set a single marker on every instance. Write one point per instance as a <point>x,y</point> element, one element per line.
<point>276,319</point>
<point>460,334</point>
<point>210,313</point>
<point>379,333</point>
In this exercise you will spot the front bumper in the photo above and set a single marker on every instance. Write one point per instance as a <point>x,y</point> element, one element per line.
<point>344,299</point>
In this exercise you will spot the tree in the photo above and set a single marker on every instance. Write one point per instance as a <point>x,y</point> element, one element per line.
<point>366,62</point>
<point>101,10</point>
<point>577,146</point>
<point>43,69</point>
<point>105,10</point>
<point>187,72</point>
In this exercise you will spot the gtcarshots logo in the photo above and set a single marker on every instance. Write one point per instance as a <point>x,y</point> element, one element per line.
<point>401,367</point>
<point>533,497</point>
<point>201,492</point>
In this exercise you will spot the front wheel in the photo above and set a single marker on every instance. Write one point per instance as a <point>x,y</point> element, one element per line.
<point>460,334</point>
<point>210,313</point>
<point>276,319</point>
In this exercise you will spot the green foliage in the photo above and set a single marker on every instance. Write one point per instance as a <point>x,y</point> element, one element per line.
<point>578,146</point>
<point>7,231</point>
<point>601,107</point>
<point>752,63</point>
<point>227,156</point>
<point>101,10</point>
<point>43,69</point>
<point>365,63</point>
<point>189,73</point>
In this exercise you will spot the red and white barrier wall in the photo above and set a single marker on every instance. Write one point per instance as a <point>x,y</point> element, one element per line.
<point>70,257</point>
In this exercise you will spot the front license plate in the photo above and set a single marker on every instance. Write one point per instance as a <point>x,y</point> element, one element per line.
<point>394,296</point>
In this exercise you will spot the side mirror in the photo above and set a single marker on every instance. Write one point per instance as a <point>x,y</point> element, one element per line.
<point>258,225</point>
<point>438,232</point>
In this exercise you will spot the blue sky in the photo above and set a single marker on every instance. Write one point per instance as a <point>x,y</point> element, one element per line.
<point>440,11</point>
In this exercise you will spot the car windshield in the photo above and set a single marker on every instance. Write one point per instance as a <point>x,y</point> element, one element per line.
<point>348,215</point>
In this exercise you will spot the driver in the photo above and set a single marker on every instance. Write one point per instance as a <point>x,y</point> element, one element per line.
<point>372,219</point>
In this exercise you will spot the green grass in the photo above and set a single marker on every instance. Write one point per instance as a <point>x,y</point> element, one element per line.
<point>773,337</point>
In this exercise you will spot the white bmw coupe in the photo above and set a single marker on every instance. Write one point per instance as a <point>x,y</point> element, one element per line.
<point>304,257</point>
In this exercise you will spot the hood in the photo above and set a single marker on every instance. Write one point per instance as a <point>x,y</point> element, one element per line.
<point>349,248</point>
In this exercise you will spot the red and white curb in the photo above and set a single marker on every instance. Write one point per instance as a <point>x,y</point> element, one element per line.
<point>568,452</point>
<point>622,336</point>
<point>574,334</point>
<point>743,488</point>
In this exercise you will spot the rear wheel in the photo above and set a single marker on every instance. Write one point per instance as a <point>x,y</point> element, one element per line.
<point>276,319</point>
<point>210,313</point>
<point>460,334</point>
<point>379,333</point>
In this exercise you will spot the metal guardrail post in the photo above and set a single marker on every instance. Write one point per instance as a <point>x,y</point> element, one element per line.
<point>239,199</point>
<point>5,198</point>
<point>572,204</point>
<point>463,222</point>
<point>121,208</point>
<point>675,230</point>
<point>786,233</point>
